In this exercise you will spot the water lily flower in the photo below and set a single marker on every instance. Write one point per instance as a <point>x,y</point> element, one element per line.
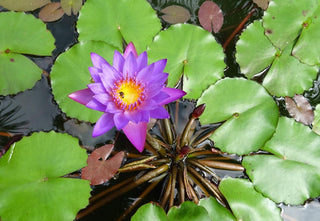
<point>129,92</point>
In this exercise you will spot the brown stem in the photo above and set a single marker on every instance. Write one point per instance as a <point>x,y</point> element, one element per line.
<point>204,168</point>
<point>173,186</point>
<point>203,138</point>
<point>184,137</point>
<point>222,165</point>
<point>153,143</point>
<point>204,190</point>
<point>181,185</point>
<point>167,128</point>
<point>166,194</point>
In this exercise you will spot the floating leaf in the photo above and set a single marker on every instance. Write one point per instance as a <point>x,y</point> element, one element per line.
<point>32,187</point>
<point>99,169</point>
<point>188,211</point>
<point>21,34</point>
<point>70,73</point>
<point>292,174</point>
<point>149,212</point>
<point>246,203</point>
<point>251,115</point>
<point>216,211</point>
<point>23,5</point>
<point>262,3</point>
<point>288,14</point>
<point>113,21</point>
<point>210,16</point>
<point>174,14</point>
<point>300,109</point>
<point>192,52</point>
<point>316,121</point>
<point>51,12</point>
<point>71,6</point>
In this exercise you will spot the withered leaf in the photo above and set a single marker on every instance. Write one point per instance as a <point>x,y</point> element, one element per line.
<point>51,12</point>
<point>210,16</point>
<point>300,109</point>
<point>71,6</point>
<point>99,169</point>
<point>175,14</point>
<point>262,3</point>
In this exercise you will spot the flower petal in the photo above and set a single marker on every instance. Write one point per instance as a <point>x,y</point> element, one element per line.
<point>97,60</point>
<point>159,113</point>
<point>142,61</point>
<point>96,105</point>
<point>174,94</point>
<point>120,120</point>
<point>118,61</point>
<point>95,74</point>
<point>103,98</point>
<point>144,74</point>
<point>160,65</point>
<point>97,88</point>
<point>82,96</point>
<point>136,133</point>
<point>112,108</point>
<point>161,96</point>
<point>130,48</point>
<point>130,66</point>
<point>103,125</point>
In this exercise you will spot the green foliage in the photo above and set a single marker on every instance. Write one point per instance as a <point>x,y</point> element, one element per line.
<point>21,34</point>
<point>32,187</point>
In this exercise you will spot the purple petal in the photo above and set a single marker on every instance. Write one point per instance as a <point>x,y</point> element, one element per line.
<point>142,61</point>
<point>160,97</point>
<point>103,98</point>
<point>103,125</point>
<point>112,108</point>
<point>130,66</point>
<point>82,96</point>
<point>120,120</point>
<point>173,93</point>
<point>97,60</point>
<point>136,133</point>
<point>95,74</point>
<point>96,105</point>
<point>97,88</point>
<point>137,116</point>
<point>144,74</point>
<point>118,61</point>
<point>159,113</point>
<point>130,48</point>
<point>160,65</point>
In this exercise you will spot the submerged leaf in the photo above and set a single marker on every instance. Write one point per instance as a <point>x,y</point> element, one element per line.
<point>32,187</point>
<point>23,5</point>
<point>175,14</point>
<point>210,16</point>
<point>71,6</point>
<point>300,109</point>
<point>51,12</point>
<point>99,169</point>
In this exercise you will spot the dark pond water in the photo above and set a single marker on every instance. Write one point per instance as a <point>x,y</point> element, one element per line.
<point>35,109</point>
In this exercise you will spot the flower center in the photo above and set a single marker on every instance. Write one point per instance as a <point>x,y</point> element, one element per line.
<point>128,94</point>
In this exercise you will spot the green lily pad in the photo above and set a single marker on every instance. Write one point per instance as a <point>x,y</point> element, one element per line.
<point>307,47</point>
<point>292,174</point>
<point>188,211</point>
<point>254,50</point>
<point>316,120</point>
<point>32,187</point>
<point>21,34</point>
<point>70,73</point>
<point>246,203</point>
<point>148,212</point>
<point>191,52</point>
<point>114,20</point>
<point>216,211</point>
<point>250,113</point>
<point>283,20</point>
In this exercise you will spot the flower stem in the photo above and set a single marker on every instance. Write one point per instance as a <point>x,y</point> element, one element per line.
<point>173,186</point>
<point>222,165</point>
<point>153,143</point>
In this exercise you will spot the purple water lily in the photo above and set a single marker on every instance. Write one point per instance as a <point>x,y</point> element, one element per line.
<point>129,92</point>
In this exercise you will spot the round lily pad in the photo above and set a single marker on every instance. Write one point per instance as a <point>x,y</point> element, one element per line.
<point>292,174</point>
<point>32,187</point>
<point>191,52</point>
<point>216,211</point>
<point>148,212</point>
<point>249,112</point>
<point>21,34</point>
<point>188,211</point>
<point>246,203</point>
<point>70,73</point>
<point>113,21</point>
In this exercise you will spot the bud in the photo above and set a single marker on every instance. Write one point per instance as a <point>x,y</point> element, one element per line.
<point>198,111</point>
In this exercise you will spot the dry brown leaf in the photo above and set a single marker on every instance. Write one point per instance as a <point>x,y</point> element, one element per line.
<point>99,169</point>
<point>71,6</point>
<point>300,109</point>
<point>51,12</point>
<point>175,14</point>
<point>23,5</point>
<point>262,3</point>
<point>210,16</point>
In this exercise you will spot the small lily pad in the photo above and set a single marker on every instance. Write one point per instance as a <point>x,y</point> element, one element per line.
<point>191,52</point>
<point>248,103</point>
<point>32,187</point>
<point>23,5</point>
<point>246,203</point>
<point>149,212</point>
<point>71,6</point>
<point>300,109</point>
<point>292,174</point>
<point>51,12</point>
<point>174,14</point>
<point>113,21</point>
<point>210,16</point>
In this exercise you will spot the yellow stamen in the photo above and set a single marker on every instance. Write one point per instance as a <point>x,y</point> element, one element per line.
<point>129,93</point>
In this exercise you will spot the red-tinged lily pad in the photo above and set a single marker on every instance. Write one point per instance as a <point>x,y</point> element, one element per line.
<point>300,109</point>
<point>210,16</point>
<point>23,5</point>
<point>175,14</point>
<point>71,6</point>
<point>99,169</point>
<point>51,12</point>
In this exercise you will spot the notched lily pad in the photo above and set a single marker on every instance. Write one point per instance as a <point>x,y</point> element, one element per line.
<point>210,16</point>
<point>32,187</point>
<point>51,12</point>
<point>99,169</point>
<point>294,167</point>
<point>23,5</point>
<point>174,14</point>
<point>71,6</point>
<point>300,109</point>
